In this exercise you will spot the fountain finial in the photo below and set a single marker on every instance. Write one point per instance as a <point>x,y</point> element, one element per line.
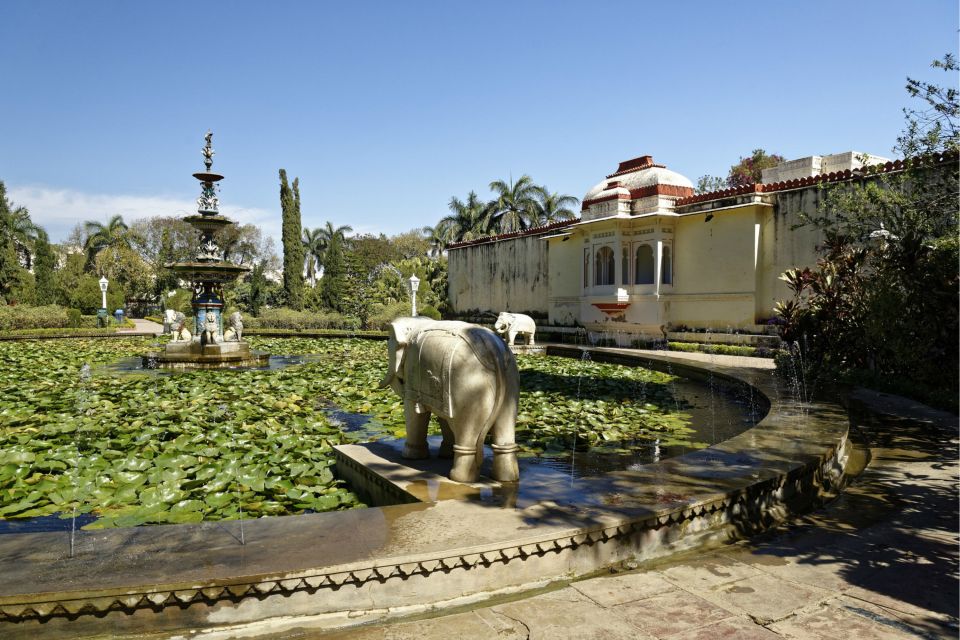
<point>208,151</point>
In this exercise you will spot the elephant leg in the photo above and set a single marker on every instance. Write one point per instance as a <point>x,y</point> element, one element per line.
<point>416,445</point>
<point>513,338</point>
<point>446,447</point>
<point>466,462</point>
<point>505,467</point>
<point>530,339</point>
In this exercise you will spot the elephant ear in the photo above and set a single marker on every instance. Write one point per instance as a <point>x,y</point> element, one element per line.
<point>399,336</point>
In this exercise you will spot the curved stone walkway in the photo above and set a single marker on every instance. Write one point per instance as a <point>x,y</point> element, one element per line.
<point>879,562</point>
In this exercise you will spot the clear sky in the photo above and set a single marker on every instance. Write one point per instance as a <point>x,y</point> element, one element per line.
<point>386,109</point>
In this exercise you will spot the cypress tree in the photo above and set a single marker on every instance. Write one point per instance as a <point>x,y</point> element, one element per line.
<point>292,245</point>
<point>44,263</point>
<point>334,271</point>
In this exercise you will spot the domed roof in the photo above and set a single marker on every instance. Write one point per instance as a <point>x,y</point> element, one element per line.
<point>634,174</point>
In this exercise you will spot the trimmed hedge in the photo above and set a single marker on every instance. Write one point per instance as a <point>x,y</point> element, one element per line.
<point>19,317</point>
<point>300,320</point>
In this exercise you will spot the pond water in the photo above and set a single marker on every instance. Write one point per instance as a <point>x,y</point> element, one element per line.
<point>716,412</point>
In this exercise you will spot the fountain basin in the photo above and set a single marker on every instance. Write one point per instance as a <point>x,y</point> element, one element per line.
<point>193,355</point>
<point>337,569</point>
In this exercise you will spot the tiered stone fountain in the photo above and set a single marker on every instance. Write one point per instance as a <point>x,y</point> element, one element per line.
<point>208,346</point>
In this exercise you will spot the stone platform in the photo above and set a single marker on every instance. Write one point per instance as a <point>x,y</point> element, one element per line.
<point>340,569</point>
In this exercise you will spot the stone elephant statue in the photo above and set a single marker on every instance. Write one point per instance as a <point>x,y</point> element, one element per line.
<point>511,325</point>
<point>467,377</point>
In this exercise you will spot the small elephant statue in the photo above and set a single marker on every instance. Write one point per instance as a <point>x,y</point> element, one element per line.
<point>181,333</point>
<point>511,325</point>
<point>235,332</point>
<point>466,376</point>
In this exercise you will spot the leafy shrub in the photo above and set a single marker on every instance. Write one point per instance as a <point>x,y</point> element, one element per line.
<point>74,318</point>
<point>21,317</point>
<point>719,349</point>
<point>428,311</point>
<point>383,315</point>
<point>300,320</point>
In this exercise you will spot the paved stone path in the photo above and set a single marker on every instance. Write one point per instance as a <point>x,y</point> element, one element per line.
<point>880,562</point>
<point>144,326</point>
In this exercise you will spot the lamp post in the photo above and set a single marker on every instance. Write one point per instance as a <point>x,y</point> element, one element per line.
<point>414,285</point>
<point>103,292</point>
<point>102,314</point>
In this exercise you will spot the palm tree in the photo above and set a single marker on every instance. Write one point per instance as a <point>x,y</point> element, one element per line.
<point>515,207</point>
<point>553,207</point>
<point>467,221</point>
<point>437,238</point>
<point>17,227</point>
<point>115,234</point>
<point>325,236</point>
<point>313,246</point>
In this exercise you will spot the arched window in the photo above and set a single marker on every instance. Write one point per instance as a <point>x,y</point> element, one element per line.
<point>666,267</point>
<point>625,266</point>
<point>644,265</point>
<point>603,266</point>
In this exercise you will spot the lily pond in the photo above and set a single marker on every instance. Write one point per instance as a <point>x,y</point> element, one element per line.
<point>80,439</point>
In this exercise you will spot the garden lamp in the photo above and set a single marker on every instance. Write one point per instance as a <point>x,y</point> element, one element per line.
<point>103,292</point>
<point>414,285</point>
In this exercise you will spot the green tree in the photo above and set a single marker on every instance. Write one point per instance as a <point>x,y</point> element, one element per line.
<point>292,246</point>
<point>894,318</point>
<point>708,184</point>
<point>258,289</point>
<point>327,234</point>
<point>313,246</point>
<point>467,220</point>
<point>100,237</point>
<point>44,263</point>
<point>10,268</point>
<point>932,129</point>
<point>332,286</point>
<point>553,207</point>
<point>514,205</point>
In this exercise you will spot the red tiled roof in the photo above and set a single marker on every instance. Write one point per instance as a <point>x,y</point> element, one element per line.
<point>635,164</point>
<point>839,176</point>
<point>516,234</point>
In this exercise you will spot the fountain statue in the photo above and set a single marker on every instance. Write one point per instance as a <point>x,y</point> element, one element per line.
<point>206,346</point>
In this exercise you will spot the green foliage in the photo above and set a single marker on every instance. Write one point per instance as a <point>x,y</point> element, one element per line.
<point>719,349</point>
<point>15,230</point>
<point>516,205</point>
<point>383,314</point>
<point>74,318</point>
<point>81,290</point>
<point>333,285</point>
<point>882,302</point>
<point>708,184</point>
<point>293,254</point>
<point>210,445</point>
<point>932,129</point>
<point>44,264</point>
<point>300,320</point>
<point>160,449</point>
<point>13,318</point>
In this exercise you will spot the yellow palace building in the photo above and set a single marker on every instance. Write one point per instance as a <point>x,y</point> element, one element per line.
<point>648,256</point>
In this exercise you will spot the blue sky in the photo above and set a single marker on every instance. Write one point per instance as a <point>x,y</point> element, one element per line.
<point>386,109</point>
